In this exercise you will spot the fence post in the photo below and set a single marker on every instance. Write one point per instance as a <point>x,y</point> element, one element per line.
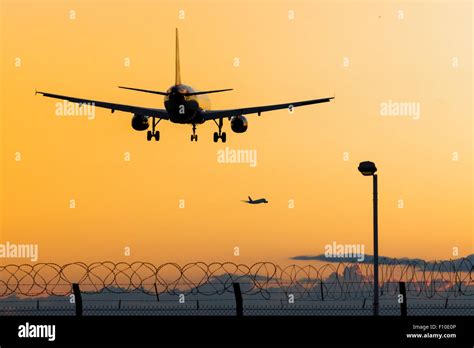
<point>322,292</point>
<point>403,305</point>
<point>238,300</point>
<point>77,299</point>
<point>156,292</point>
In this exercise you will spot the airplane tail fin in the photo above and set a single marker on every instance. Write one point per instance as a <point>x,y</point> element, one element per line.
<point>250,199</point>
<point>177,67</point>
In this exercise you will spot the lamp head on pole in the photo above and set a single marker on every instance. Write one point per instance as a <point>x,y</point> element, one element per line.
<point>367,168</point>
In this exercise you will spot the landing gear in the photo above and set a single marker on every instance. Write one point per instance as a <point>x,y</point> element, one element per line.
<point>150,135</point>
<point>220,135</point>
<point>194,136</point>
<point>153,134</point>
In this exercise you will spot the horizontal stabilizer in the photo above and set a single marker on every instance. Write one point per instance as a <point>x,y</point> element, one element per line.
<point>165,93</point>
<point>144,90</point>
<point>208,92</point>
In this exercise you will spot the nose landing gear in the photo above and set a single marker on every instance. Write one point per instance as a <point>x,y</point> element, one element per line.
<point>194,136</point>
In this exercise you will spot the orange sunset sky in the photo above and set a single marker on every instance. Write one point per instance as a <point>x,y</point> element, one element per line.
<point>364,52</point>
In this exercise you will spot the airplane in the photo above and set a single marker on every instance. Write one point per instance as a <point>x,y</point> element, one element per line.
<point>184,105</point>
<point>257,201</point>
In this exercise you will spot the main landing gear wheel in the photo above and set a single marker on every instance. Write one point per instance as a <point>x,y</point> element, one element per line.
<point>150,135</point>
<point>220,135</point>
<point>153,134</point>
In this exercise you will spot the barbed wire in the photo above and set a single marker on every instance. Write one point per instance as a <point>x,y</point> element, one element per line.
<point>331,281</point>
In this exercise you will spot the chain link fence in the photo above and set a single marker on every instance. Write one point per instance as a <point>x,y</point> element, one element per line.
<point>139,288</point>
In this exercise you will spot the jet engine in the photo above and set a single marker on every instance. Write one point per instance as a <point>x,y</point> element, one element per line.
<point>140,122</point>
<point>239,124</point>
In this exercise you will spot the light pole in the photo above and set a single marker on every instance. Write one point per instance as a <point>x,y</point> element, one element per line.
<point>368,168</point>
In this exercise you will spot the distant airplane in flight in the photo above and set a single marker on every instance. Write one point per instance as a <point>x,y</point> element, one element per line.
<point>185,105</point>
<point>257,201</point>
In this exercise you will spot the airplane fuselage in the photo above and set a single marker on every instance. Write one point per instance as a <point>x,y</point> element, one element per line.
<point>257,201</point>
<point>183,108</point>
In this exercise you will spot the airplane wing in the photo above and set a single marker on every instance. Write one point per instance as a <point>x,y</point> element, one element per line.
<point>216,114</point>
<point>159,113</point>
